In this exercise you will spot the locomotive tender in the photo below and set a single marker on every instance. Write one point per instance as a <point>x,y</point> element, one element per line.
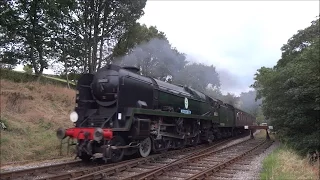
<point>120,112</point>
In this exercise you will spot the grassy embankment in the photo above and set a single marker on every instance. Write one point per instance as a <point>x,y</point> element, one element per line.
<point>32,109</point>
<point>284,164</point>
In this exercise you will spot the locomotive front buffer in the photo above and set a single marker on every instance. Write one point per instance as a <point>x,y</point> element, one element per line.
<point>255,127</point>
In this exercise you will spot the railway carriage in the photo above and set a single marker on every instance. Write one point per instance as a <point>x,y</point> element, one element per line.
<point>121,113</point>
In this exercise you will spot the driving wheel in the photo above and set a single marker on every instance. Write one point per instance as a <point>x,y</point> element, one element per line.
<point>145,147</point>
<point>116,155</point>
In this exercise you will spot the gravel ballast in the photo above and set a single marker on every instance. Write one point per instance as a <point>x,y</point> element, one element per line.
<point>255,167</point>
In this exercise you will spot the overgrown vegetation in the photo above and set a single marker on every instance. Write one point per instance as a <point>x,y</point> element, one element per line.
<point>18,77</point>
<point>284,163</point>
<point>27,69</point>
<point>291,91</point>
<point>32,112</point>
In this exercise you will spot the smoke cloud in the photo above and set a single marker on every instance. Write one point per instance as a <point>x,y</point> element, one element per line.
<point>157,58</point>
<point>154,58</point>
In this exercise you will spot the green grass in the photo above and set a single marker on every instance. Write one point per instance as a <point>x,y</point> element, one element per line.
<point>270,164</point>
<point>29,141</point>
<point>32,112</point>
<point>284,164</point>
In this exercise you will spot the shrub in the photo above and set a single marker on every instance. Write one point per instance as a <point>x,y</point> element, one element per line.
<point>20,77</point>
<point>28,69</point>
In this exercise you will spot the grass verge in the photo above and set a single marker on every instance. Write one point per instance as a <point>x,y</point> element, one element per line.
<point>32,112</point>
<point>283,163</point>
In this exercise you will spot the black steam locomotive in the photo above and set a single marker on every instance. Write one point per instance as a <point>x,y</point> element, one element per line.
<point>121,113</point>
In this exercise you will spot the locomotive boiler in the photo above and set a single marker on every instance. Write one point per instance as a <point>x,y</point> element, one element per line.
<point>121,113</point>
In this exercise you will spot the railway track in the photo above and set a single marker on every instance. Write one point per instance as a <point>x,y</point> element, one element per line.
<point>41,169</point>
<point>57,171</point>
<point>133,167</point>
<point>205,165</point>
<point>110,169</point>
<point>80,170</point>
<point>72,169</point>
<point>241,165</point>
<point>149,162</point>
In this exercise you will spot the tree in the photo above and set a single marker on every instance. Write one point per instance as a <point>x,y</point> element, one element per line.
<point>248,102</point>
<point>298,43</point>
<point>9,54</point>
<point>100,23</point>
<point>290,91</point>
<point>136,35</point>
<point>61,25</point>
<point>76,33</point>
<point>198,76</point>
<point>29,31</point>
<point>260,117</point>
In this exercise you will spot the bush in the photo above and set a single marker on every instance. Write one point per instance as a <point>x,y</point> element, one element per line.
<point>6,66</point>
<point>28,69</point>
<point>20,77</point>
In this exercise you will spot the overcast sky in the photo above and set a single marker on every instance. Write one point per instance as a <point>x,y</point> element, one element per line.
<point>237,37</point>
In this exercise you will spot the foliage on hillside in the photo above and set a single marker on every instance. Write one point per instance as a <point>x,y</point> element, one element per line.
<point>32,112</point>
<point>290,91</point>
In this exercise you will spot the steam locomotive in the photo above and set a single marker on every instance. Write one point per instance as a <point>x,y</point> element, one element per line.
<point>121,113</point>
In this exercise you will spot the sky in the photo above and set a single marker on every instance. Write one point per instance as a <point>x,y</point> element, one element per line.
<point>237,37</point>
